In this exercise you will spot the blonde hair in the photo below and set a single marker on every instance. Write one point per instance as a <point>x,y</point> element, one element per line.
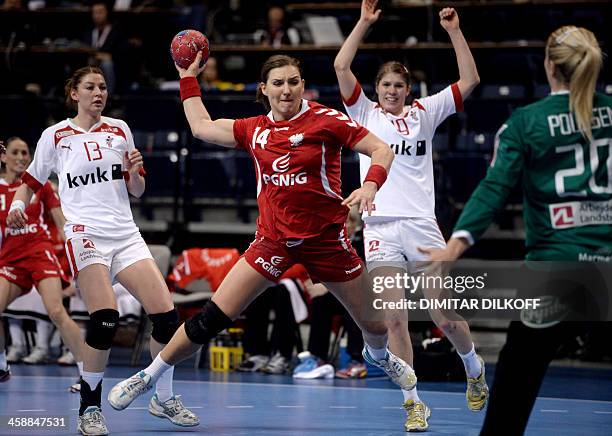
<point>577,57</point>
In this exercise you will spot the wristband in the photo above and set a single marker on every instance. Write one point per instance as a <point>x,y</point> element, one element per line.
<point>190,88</point>
<point>17,204</point>
<point>377,174</point>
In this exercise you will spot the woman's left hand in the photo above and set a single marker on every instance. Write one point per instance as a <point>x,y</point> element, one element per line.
<point>449,19</point>
<point>363,197</point>
<point>133,162</point>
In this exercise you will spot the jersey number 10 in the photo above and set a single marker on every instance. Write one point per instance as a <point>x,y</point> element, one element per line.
<point>580,168</point>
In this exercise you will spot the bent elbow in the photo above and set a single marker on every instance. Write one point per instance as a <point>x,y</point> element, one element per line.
<point>340,67</point>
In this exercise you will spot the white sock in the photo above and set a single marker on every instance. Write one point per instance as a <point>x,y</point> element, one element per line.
<point>80,366</point>
<point>3,362</point>
<point>43,334</point>
<point>471,363</point>
<point>92,378</point>
<point>17,336</point>
<point>377,353</point>
<point>163,388</point>
<point>157,368</point>
<point>411,395</point>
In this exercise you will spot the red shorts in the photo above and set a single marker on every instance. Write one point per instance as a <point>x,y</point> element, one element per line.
<point>29,268</point>
<point>329,257</point>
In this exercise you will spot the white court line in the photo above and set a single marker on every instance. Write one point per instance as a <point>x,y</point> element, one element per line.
<point>392,407</point>
<point>602,412</point>
<point>290,407</point>
<point>300,386</point>
<point>239,407</point>
<point>32,410</point>
<point>553,411</point>
<point>342,407</point>
<point>446,408</point>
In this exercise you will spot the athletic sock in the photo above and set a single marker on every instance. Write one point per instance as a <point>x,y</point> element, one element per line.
<point>163,388</point>
<point>377,353</point>
<point>472,365</point>
<point>3,362</point>
<point>91,397</point>
<point>157,368</point>
<point>411,395</point>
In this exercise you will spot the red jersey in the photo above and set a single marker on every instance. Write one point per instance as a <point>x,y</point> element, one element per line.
<point>211,264</point>
<point>297,164</point>
<point>35,231</point>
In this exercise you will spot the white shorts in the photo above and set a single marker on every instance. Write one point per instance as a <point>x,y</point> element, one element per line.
<point>396,242</point>
<point>115,254</point>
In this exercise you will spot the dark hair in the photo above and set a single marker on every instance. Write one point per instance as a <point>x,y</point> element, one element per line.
<point>393,67</point>
<point>275,61</point>
<point>75,79</point>
<point>4,148</point>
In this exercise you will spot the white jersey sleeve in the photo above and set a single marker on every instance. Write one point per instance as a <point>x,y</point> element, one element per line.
<point>358,106</point>
<point>44,162</point>
<point>439,106</point>
<point>128,136</point>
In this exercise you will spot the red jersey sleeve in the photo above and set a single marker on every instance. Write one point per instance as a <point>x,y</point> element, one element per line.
<point>346,131</point>
<point>241,133</point>
<point>48,197</point>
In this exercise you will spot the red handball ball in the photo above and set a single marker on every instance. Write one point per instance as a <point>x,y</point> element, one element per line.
<point>186,45</point>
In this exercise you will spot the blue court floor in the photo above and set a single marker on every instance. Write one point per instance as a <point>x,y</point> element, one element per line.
<point>573,402</point>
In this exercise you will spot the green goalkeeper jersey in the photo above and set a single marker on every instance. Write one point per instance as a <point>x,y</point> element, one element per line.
<point>565,178</point>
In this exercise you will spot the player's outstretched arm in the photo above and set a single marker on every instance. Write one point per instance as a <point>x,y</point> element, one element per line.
<point>468,74</point>
<point>17,218</point>
<point>381,158</point>
<point>221,131</point>
<point>344,58</point>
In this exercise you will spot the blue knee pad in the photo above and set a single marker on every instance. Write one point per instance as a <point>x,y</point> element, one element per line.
<point>101,328</point>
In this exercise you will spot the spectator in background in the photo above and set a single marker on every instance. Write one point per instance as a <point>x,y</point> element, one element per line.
<point>106,39</point>
<point>210,80</point>
<point>276,32</point>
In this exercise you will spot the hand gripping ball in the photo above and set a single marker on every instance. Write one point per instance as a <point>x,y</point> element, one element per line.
<point>186,45</point>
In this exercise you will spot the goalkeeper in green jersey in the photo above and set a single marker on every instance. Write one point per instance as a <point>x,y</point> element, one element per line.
<point>560,150</point>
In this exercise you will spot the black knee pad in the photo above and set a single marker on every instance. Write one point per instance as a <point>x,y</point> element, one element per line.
<point>101,328</point>
<point>164,325</point>
<point>204,326</point>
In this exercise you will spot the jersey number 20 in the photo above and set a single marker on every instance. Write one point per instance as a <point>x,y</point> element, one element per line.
<point>578,170</point>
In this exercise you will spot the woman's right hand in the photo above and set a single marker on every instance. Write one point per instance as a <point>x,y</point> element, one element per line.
<point>16,219</point>
<point>369,13</point>
<point>193,70</point>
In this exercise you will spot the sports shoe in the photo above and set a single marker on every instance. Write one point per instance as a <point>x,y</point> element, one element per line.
<point>278,364</point>
<point>92,422</point>
<point>15,354</point>
<point>5,374</point>
<point>399,371</point>
<point>173,410</point>
<point>126,391</point>
<point>311,367</point>
<point>38,355</point>
<point>253,363</point>
<point>477,392</point>
<point>354,369</point>
<point>418,414</point>
<point>76,387</point>
<point>66,359</point>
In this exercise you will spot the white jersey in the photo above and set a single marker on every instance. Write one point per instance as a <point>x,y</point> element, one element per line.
<point>409,189</point>
<point>89,166</point>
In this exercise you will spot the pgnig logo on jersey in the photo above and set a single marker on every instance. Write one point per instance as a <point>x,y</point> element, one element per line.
<point>30,228</point>
<point>97,176</point>
<point>270,266</point>
<point>281,177</point>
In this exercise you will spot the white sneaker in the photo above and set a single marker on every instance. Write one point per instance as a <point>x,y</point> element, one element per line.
<point>399,371</point>
<point>66,359</point>
<point>123,393</point>
<point>38,355</point>
<point>15,354</point>
<point>173,410</point>
<point>92,423</point>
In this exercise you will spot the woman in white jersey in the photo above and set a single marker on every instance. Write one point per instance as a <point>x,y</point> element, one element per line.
<point>404,220</point>
<point>98,166</point>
